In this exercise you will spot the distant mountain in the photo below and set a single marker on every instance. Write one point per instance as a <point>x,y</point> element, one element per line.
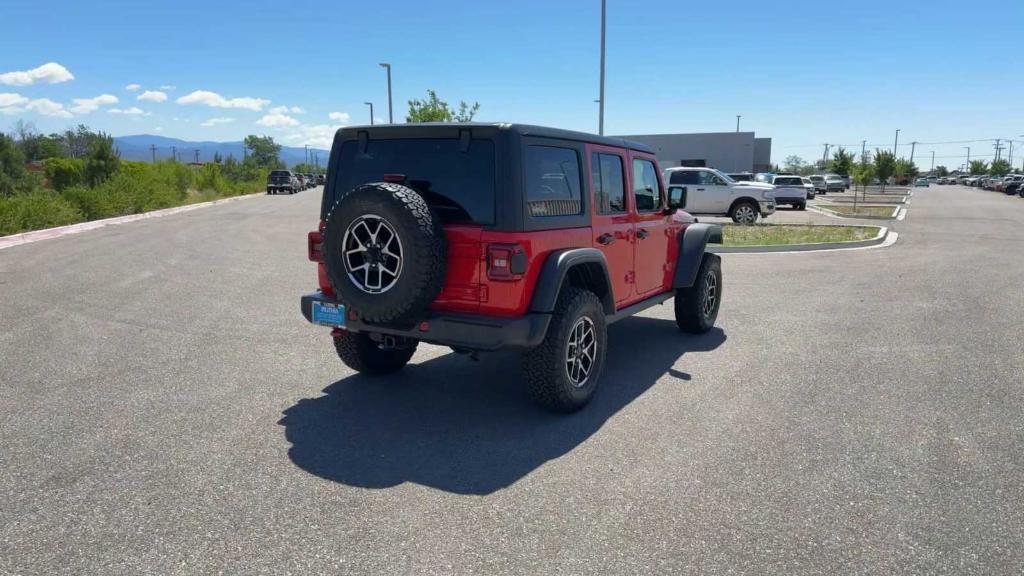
<point>137,147</point>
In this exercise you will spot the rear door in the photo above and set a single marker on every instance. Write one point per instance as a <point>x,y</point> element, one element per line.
<point>652,226</point>
<point>613,225</point>
<point>695,199</point>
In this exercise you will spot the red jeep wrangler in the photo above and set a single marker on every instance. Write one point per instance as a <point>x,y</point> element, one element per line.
<point>486,237</point>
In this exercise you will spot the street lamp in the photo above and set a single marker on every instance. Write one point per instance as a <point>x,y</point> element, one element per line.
<point>968,159</point>
<point>933,161</point>
<point>370,104</point>
<point>896,143</point>
<point>600,104</point>
<point>738,122</point>
<point>391,117</point>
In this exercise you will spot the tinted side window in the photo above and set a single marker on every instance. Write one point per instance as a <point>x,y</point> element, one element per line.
<point>609,185</point>
<point>646,192</point>
<point>683,177</point>
<point>707,179</point>
<point>552,181</point>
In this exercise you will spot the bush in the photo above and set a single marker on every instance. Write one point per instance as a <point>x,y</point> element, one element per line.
<point>64,173</point>
<point>35,211</point>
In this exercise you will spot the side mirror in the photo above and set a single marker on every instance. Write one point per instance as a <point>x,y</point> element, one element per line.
<point>676,197</point>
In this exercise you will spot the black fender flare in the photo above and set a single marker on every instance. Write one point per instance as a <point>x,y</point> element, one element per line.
<point>692,243</point>
<point>555,270</point>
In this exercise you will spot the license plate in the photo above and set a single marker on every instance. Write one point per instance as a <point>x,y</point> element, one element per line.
<point>329,314</point>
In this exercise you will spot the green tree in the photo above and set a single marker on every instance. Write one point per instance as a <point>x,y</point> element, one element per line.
<point>842,162</point>
<point>12,167</point>
<point>999,167</point>
<point>217,158</point>
<point>885,166</point>
<point>905,169</point>
<point>433,109</point>
<point>102,161</point>
<point>941,171</point>
<point>63,173</point>
<point>862,173</point>
<point>978,167</point>
<point>794,164</point>
<point>263,151</point>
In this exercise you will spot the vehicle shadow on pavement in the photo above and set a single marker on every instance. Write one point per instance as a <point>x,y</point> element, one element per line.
<point>467,427</point>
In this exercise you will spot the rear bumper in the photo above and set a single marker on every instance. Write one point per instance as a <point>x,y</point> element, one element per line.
<point>470,332</point>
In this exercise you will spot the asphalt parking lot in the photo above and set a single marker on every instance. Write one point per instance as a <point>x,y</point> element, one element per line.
<point>164,408</point>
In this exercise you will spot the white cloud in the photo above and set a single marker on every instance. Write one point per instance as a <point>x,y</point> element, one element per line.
<point>49,73</point>
<point>216,121</point>
<point>158,129</point>
<point>297,110</point>
<point>286,110</point>
<point>168,87</point>
<point>132,87</point>
<point>48,107</point>
<point>152,96</point>
<point>277,120</point>
<point>316,135</point>
<point>87,105</point>
<point>342,117</point>
<point>10,100</point>
<point>215,100</point>
<point>133,111</point>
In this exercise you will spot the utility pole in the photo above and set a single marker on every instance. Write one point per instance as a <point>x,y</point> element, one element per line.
<point>863,151</point>
<point>998,148</point>
<point>912,146</point>
<point>152,150</point>
<point>933,161</point>
<point>738,122</point>
<point>896,143</point>
<point>600,106</point>
<point>196,151</point>
<point>968,159</point>
<point>391,117</point>
<point>370,104</point>
<point>824,156</point>
<point>174,153</point>
<point>307,154</point>
<point>1010,158</point>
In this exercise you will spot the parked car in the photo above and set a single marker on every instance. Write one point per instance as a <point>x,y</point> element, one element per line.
<point>302,181</point>
<point>809,187</point>
<point>835,183</point>
<point>712,192</point>
<point>594,237</point>
<point>312,179</point>
<point>790,190</point>
<point>1013,185</point>
<point>741,176</point>
<point>921,182</point>
<point>764,177</point>
<point>281,181</point>
<point>320,179</point>
<point>820,186</point>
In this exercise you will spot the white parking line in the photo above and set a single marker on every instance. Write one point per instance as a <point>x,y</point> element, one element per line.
<point>902,214</point>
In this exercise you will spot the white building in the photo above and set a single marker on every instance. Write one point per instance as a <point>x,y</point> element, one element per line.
<point>726,151</point>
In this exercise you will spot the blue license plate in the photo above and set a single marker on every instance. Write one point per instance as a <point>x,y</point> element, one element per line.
<point>329,314</point>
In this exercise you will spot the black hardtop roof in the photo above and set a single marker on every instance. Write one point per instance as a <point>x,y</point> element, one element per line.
<point>448,129</point>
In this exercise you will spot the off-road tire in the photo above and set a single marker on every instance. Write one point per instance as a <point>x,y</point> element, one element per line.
<point>736,211</point>
<point>691,315</point>
<point>423,251</point>
<point>544,367</point>
<point>365,356</point>
<point>801,206</point>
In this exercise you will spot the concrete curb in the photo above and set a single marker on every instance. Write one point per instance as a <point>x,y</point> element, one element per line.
<point>879,238</point>
<point>46,234</point>
<point>826,211</point>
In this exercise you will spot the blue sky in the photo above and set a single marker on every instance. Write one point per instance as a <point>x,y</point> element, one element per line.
<point>803,73</point>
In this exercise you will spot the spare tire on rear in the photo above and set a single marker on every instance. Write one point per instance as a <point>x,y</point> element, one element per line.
<point>384,251</point>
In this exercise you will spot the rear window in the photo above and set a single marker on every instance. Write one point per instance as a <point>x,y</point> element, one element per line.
<point>280,173</point>
<point>552,181</point>
<point>459,185</point>
<point>683,177</point>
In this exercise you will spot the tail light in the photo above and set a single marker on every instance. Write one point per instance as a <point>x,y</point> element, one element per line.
<point>505,261</point>
<point>315,246</point>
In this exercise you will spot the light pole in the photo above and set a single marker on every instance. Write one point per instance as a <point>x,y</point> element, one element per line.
<point>738,122</point>
<point>307,154</point>
<point>933,161</point>
<point>370,104</point>
<point>968,159</point>
<point>896,143</point>
<point>600,104</point>
<point>391,117</point>
<point>863,150</point>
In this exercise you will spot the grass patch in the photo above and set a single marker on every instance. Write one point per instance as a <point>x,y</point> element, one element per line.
<point>875,211</point>
<point>785,234</point>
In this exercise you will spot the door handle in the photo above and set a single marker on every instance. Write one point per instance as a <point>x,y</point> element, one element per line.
<point>641,234</point>
<point>700,189</point>
<point>605,239</point>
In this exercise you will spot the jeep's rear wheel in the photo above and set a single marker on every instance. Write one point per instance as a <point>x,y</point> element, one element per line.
<point>696,307</point>
<point>384,251</point>
<point>359,352</point>
<point>744,213</point>
<point>562,373</point>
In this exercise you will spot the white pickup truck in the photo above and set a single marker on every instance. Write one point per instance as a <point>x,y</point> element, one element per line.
<point>711,192</point>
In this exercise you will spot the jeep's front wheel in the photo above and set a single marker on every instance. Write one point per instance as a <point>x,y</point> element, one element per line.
<point>696,307</point>
<point>563,371</point>
<point>359,352</point>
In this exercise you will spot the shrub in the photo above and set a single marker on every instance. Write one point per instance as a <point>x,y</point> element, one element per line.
<point>34,211</point>
<point>102,161</point>
<point>64,173</point>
